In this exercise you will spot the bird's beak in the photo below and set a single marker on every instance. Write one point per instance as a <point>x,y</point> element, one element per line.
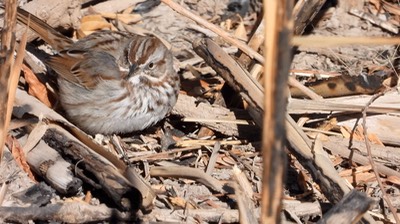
<point>132,69</point>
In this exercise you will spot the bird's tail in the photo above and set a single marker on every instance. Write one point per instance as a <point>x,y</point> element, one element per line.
<point>46,32</point>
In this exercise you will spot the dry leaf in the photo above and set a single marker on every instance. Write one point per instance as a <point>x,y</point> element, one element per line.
<point>225,160</point>
<point>374,139</point>
<point>212,203</point>
<point>345,131</point>
<point>125,18</point>
<point>302,180</point>
<point>338,160</point>
<point>205,132</point>
<point>19,155</point>
<point>36,88</point>
<point>178,201</point>
<point>88,197</point>
<point>94,17</point>
<point>227,24</point>
<point>129,9</point>
<point>240,32</point>
<point>361,178</point>
<point>357,134</point>
<point>328,125</point>
<point>204,84</point>
<point>376,3</point>
<point>393,180</point>
<point>357,170</point>
<point>92,23</point>
<point>79,34</point>
<point>313,135</point>
<point>35,136</point>
<point>391,8</point>
<point>95,25</point>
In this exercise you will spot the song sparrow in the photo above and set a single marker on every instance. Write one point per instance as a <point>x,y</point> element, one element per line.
<point>110,82</point>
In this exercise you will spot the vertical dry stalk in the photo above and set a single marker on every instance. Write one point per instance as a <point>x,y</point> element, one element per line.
<point>278,33</point>
<point>9,68</point>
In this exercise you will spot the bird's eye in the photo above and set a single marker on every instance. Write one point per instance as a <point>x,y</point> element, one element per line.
<point>151,66</point>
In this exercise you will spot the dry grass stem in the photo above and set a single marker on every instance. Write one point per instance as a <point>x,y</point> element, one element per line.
<point>371,160</point>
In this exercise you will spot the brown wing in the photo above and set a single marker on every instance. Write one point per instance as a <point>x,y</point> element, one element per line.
<point>85,68</point>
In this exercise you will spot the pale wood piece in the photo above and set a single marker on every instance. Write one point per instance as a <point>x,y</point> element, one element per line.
<point>302,209</point>
<point>49,164</point>
<point>386,104</point>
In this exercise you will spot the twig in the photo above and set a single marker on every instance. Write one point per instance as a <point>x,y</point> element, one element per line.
<point>213,158</point>
<point>3,190</point>
<point>243,200</point>
<point>189,173</point>
<point>207,120</point>
<point>7,69</point>
<point>371,160</point>
<point>226,36</point>
<point>278,33</point>
<point>163,154</point>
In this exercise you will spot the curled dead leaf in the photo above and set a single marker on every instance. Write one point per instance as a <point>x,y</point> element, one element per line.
<point>36,88</point>
<point>19,155</point>
<point>393,180</point>
<point>240,31</point>
<point>125,18</point>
